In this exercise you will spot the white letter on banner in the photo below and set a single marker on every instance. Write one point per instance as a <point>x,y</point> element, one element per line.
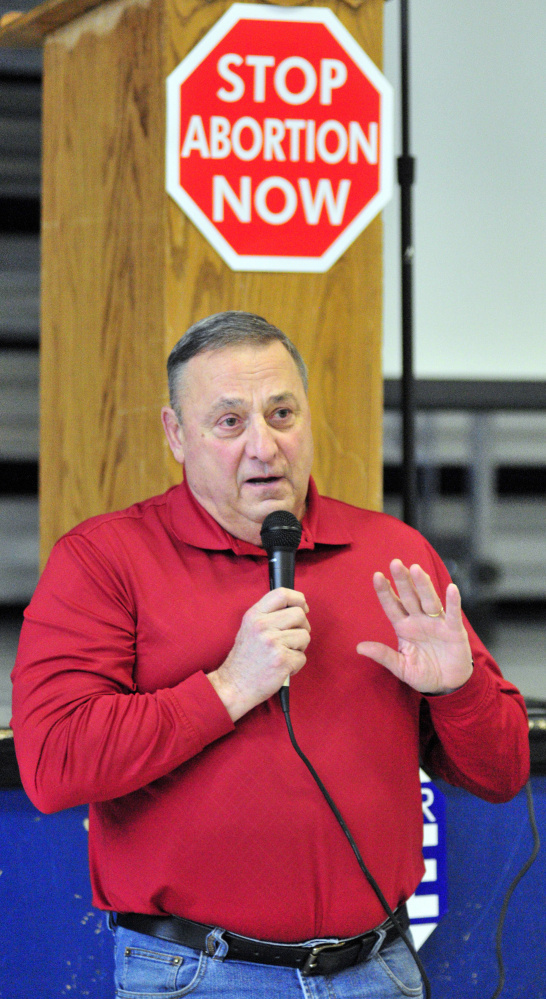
<point>220,146</point>
<point>195,138</point>
<point>309,87</point>
<point>333,74</point>
<point>260,64</point>
<point>431,870</point>
<point>290,200</point>
<point>221,191</point>
<point>324,195</point>
<point>430,834</point>
<point>428,799</point>
<point>342,141</point>
<point>295,126</point>
<point>357,137</point>
<point>274,133</point>
<point>310,140</point>
<point>227,74</point>
<point>257,139</point>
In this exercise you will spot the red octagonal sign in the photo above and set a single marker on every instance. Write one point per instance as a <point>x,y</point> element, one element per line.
<point>279,138</point>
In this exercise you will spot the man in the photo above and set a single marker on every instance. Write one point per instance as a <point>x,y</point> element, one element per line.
<point>146,684</point>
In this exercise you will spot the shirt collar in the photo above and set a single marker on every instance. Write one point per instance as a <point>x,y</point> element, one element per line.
<point>192,524</point>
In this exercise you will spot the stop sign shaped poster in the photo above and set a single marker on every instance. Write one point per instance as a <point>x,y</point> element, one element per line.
<point>279,138</point>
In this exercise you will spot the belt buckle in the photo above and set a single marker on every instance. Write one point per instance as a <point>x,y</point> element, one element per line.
<point>312,960</point>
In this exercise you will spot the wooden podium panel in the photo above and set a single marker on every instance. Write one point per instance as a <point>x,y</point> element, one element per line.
<point>103,265</point>
<point>124,272</point>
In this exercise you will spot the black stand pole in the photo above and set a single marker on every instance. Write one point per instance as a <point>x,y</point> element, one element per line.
<point>406,174</point>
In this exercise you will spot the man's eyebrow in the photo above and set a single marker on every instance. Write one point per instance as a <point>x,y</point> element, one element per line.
<point>226,403</point>
<point>275,400</point>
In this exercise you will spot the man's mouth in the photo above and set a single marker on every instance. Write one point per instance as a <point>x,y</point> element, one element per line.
<point>263,480</point>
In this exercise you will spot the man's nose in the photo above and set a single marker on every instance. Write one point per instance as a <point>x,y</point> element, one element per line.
<point>261,443</point>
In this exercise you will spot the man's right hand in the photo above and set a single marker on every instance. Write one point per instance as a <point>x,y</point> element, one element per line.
<point>269,647</point>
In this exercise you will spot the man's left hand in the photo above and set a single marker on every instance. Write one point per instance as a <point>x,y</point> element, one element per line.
<point>434,655</point>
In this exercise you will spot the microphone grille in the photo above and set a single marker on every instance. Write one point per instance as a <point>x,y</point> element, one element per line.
<point>281,529</point>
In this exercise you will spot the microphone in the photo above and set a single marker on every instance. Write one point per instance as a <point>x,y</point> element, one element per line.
<point>281,534</point>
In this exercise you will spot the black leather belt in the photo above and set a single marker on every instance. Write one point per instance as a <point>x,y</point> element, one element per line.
<point>318,959</point>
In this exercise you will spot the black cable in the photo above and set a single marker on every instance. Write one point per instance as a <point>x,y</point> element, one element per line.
<point>510,892</point>
<point>406,177</point>
<point>284,692</point>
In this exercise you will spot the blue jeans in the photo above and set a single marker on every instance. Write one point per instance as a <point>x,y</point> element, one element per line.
<point>147,967</point>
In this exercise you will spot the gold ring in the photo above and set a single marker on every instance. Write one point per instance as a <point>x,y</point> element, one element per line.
<point>438,614</point>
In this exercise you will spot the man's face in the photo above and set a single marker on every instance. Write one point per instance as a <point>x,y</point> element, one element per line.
<point>245,438</point>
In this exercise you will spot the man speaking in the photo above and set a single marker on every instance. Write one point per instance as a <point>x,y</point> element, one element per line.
<point>147,683</point>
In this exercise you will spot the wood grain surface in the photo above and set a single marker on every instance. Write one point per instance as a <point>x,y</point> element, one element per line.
<point>103,265</point>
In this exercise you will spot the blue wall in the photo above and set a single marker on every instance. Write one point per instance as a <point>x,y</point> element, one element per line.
<point>53,944</point>
<point>486,847</point>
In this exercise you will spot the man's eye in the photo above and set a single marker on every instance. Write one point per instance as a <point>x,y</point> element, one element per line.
<point>229,422</point>
<point>282,415</point>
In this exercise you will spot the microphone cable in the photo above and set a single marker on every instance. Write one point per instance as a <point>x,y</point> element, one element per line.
<point>285,703</point>
<point>513,886</point>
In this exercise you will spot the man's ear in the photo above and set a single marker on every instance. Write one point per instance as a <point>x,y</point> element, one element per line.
<point>173,433</point>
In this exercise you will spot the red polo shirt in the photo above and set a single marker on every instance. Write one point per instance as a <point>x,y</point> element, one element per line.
<point>221,823</point>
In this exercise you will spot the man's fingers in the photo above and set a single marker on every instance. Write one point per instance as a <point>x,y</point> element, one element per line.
<point>281,597</point>
<point>387,597</point>
<point>454,614</point>
<point>416,593</point>
<point>380,653</point>
<point>405,586</point>
<point>279,610</point>
<point>430,602</point>
<point>277,620</point>
<point>296,639</point>
<point>289,617</point>
<point>296,661</point>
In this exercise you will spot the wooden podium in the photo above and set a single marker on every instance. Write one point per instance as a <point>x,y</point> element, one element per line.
<point>124,272</point>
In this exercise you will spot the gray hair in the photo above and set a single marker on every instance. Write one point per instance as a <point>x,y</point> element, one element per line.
<point>225,329</point>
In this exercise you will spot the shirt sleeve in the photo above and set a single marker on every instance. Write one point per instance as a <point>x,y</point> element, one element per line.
<point>478,736</point>
<point>82,731</point>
